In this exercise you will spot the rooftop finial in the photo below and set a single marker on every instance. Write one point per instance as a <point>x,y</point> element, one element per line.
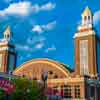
<point>87,17</point>
<point>7,33</point>
<point>87,12</point>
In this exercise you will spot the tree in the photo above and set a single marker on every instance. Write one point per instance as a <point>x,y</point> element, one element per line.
<point>2,95</point>
<point>25,90</point>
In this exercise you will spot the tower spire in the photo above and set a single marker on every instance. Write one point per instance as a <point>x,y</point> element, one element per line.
<point>85,46</point>
<point>87,17</point>
<point>87,11</point>
<point>7,33</point>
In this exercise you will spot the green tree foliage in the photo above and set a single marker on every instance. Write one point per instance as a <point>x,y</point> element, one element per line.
<point>2,95</point>
<point>25,90</point>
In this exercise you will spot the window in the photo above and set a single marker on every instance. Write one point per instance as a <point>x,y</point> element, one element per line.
<point>67,91</point>
<point>98,55</point>
<point>34,78</point>
<point>92,89</point>
<point>55,90</point>
<point>55,76</point>
<point>50,72</point>
<point>88,17</point>
<point>84,57</point>
<point>11,62</point>
<point>0,62</point>
<point>85,17</point>
<point>7,35</point>
<point>62,91</point>
<point>77,91</point>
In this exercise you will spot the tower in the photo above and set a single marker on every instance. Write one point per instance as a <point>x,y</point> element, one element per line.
<point>7,52</point>
<point>85,46</point>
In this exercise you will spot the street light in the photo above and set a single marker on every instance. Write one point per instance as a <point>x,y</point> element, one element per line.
<point>44,79</point>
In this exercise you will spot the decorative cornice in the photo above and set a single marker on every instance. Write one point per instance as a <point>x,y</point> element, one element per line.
<point>84,33</point>
<point>64,80</point>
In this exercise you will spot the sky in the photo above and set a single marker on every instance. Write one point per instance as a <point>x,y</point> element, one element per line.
<point>45,28</point>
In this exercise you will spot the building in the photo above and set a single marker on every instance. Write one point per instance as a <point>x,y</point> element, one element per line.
<point>63,83</point>
<point>7,52</point>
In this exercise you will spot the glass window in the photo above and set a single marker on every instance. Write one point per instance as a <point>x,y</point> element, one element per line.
<point>77,91</point>
<point>84,57</point>
<point>50,72</point>
<point>0,62</point>
<point>11,62</point>
<point>92,91</point>
<point>98,56</point>
<point>85,17</point>
<point>55,76</point>
<point>88,17</point>
<point>67,91</point>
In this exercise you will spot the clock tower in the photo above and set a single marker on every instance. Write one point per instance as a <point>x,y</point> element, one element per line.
<point>85,46</point>
<point>7,53</point>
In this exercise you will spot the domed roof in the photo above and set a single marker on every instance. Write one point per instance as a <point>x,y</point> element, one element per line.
<point>34,69</point>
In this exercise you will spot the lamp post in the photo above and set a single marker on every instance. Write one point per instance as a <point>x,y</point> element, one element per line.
<point>10,73</point>
<point>44,79</point>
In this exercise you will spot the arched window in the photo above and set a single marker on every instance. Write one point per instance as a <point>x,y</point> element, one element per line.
<point>34,78</point>
<point>85,17</point>
<point>7,35</point>
<point>55,76</point>
<point>50,72</point>
<point>88,17</point>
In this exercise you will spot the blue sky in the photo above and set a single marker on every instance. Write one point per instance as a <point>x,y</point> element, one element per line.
<point>45,28</point>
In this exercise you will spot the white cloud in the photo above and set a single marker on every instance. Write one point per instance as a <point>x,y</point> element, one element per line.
<point>49,26</point>
<point>39,45</point>
<point>96,17</point>
<point>20,8</point>
<point>37,28</point>
<point>52,48</point>
<point>24,8</point>
<point>48,6</point>
<point>35,39</point>
<point>45,7</point>
<point>42,28</point>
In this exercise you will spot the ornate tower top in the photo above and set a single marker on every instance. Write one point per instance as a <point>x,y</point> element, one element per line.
<point>87,12</point>
<point>7,33</point>
<point>87,17</point>
<point>86,26</point>
<point>7,52</point>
